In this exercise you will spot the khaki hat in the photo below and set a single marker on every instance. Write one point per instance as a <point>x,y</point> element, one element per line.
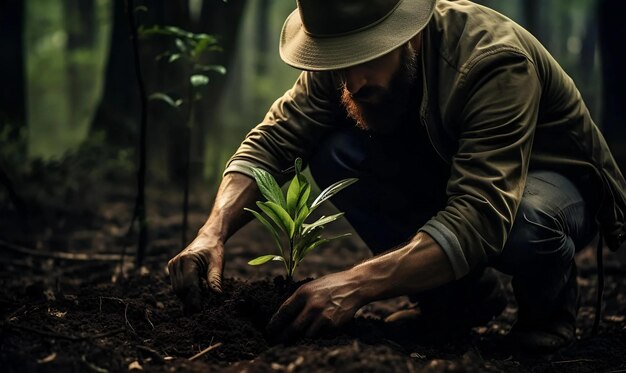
<point>334,34</point>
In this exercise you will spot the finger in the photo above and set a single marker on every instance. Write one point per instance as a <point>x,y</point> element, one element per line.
<point>318,327</point>
<point>189,291</point>
<point>296,329</point>
<point>214,275</point>
<point>176,275</point>
<point>170,269</point>
<point>287,312</point>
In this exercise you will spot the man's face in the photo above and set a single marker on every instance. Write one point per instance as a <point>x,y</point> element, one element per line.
<point>376,93</point>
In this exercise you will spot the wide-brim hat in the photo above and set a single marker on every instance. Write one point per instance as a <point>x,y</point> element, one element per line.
<point>334,34</point>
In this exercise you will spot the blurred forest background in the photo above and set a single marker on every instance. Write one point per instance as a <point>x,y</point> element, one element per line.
<point>70,107</point>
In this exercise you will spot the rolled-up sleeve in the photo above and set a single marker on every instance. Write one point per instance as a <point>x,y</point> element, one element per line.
<point>292,128</point>
<point>501,95</point>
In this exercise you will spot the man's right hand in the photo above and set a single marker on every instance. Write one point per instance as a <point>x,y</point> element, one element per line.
<point>202,259</point>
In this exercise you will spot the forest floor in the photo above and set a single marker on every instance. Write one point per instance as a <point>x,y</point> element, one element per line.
<point>62,312</point>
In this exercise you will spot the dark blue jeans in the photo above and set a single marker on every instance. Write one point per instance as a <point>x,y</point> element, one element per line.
<point>398,191</point>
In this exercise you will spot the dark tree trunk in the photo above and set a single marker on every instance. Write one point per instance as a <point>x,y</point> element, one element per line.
<point>612,41</point>
<point>530,11</point>
<point>167,124</point>
<point>12,79</point>
<point>118,112</point>
<point>80,23</point>
<point>222,19</point>
<point>12,90</point>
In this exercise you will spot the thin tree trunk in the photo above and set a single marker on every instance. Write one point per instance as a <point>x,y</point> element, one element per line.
<point>612,41</point>
<point>117,113</point>
<point>12,71</point>
<point>140,203</point>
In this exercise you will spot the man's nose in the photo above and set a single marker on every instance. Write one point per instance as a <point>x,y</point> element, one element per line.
<point>355,79</point>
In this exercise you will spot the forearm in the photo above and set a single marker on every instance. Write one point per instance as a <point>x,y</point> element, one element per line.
<point>417,266</point>
<point>236,192</point>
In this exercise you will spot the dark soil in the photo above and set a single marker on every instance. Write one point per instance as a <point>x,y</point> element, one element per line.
<point>67,315</point>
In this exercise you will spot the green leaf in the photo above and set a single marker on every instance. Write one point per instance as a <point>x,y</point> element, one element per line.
<point>303,213</point>
<point>215,68</point>
<point>297,188</point>
<point>202,46</point>
<point>264,259</point>
<point>173,57</point>
<point>305,240</point>
<point>322,221</point>
<point>160,96</point>
<point>198,80</point>
<point>141,8</point>
<point>298,165</point>
<point>317,243</point>
<point>180,44</point>
<point>304,198</point>
<point>269,187</point>
<point>279,216</point>
<point>270,228</point>
<point>331,191</point>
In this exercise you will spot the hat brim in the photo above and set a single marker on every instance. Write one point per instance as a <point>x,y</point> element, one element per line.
<point>302,51</point>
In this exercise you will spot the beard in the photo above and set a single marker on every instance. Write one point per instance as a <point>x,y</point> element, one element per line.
<point>385,115</point>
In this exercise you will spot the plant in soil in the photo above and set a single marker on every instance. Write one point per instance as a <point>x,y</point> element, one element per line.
<point>288,214</point>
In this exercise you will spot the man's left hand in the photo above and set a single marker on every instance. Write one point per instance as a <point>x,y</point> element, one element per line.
<point>317,306</point>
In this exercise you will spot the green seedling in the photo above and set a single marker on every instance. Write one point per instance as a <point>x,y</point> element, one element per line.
<point>289,213</point>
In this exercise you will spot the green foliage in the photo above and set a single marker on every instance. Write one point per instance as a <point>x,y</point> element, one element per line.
<point>188,48</point>
<point>288,214</point>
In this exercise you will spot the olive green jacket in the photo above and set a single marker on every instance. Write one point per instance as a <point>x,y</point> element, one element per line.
<point>495,104</point>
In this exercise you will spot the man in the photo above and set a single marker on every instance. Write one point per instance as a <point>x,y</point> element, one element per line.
<point>472,147</point>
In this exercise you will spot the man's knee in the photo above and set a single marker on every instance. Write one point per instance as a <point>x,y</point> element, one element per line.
<point>545,227</point>
<point>540,230</point>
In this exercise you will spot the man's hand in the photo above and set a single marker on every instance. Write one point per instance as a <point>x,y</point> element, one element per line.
<point>332,300</point>
<point>317,306</point>
<point>202,259</point>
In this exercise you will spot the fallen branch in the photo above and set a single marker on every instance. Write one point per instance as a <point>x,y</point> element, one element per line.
<point>203,352</point>
<point>60,254</point>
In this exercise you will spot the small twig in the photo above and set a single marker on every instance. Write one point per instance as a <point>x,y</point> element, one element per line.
<point>106,334</point>
<point>617,371</point>
<point>154,353</point>
<point>126,318</point>
<point>114,298</point>
<point>14,313</point>
<point>201,353</point>
<point>574,361</point>
<point>93,366</point>
<point>148,318</point>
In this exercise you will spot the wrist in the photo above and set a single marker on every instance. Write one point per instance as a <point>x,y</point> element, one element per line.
<point>210,232</point>
<point>368,286</point>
